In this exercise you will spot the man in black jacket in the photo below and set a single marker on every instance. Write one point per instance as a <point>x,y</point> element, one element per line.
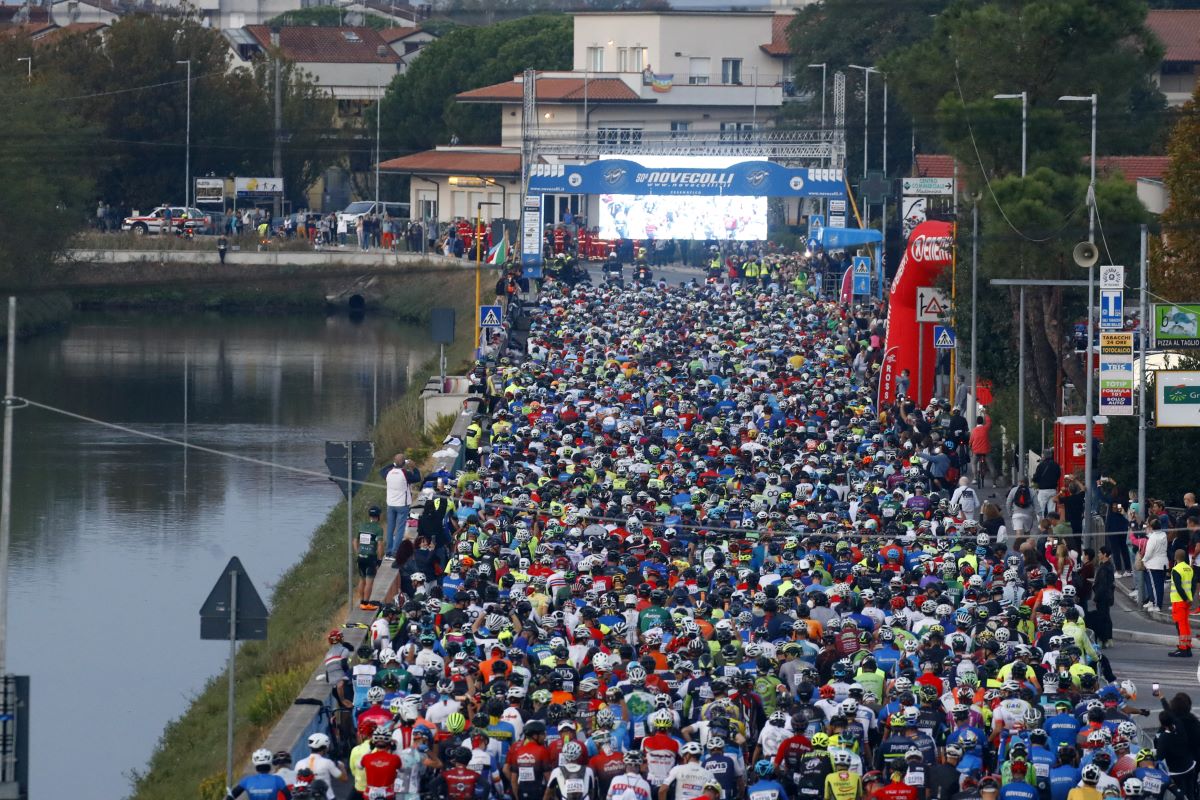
<point>1103,585</point>
<point>1046,478</point>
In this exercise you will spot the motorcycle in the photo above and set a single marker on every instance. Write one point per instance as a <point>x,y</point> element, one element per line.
<point>613,274</point>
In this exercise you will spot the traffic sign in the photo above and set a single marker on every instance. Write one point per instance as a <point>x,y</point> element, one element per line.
<point>491,316</point>
<point>943,337</point>
<point>1112,276</point>
<point>932,304</point>
<point>216,613</point>
<point>876,188</point>
<point>862,275</point>
<point>1112,309</point>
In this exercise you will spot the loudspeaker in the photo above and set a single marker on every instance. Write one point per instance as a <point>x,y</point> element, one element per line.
<point>1085,254</point>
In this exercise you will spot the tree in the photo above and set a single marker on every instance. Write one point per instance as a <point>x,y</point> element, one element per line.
<point>1047,48</point>
<point>419,109</point>
<point>45,183</point>
<point>1175,266</point>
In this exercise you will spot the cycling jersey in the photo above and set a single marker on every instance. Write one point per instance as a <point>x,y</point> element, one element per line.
<point>261,786</point>
<point>381,767</point>
<point>688,781</point>
<point>842,785</point>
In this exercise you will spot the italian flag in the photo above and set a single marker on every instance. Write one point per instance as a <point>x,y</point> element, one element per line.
<point>499,252</point>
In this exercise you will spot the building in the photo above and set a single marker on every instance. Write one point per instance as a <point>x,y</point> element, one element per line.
<point>635,75</point>
<point>1179,31</point>
<point>406,42</point>
<point>353,64</point>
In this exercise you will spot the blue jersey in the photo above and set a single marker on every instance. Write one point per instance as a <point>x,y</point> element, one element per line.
<point>1018,790</point>
<point>724,769</point>
<point>1062,780</point>
<point>1154,781</point>
<point>261,786</point>
<point>766,790</point>
<point>1062,729</point>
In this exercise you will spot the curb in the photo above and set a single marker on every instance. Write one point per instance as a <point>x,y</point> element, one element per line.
<point>1145,638</point>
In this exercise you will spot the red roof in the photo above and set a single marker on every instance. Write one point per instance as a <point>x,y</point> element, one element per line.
<point>390,35</point>
<point>930,165</point>
<point>350,45</point>
<point>1134,167</point>
<point>1179,31</point>
<point>455,162</point>
<point>778,46</point>
<point>555,90</point>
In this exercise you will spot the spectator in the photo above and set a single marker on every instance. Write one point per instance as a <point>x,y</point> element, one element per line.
<point>1155,561</point>
<point>1103,595</point>
<point>1116,523</point>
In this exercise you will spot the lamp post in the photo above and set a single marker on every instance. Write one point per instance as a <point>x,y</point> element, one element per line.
<point>866,107</point>
<point>479,257</point>
<point>28,66</point>
<point>824,71</point>
<point>1089,407</point>
<point>378,114</point>
<point>1024,98</point>
<point>187,147</point>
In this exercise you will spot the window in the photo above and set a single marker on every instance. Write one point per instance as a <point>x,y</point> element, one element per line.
<point>595,59</point>
<point>679,129</point>
<point>734,131</point>
<point>631,59</point>
<point>698,71</point>
<point>731,70</point>
<point>637,59</point>
<point>619,137</point>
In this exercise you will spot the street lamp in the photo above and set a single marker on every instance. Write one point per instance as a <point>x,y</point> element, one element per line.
<point>1024,98</point>
<point>1089,408</point>
<point>824,70</point>
<point>28,66</point>
<point>187,148</point>
<point>866,107</point>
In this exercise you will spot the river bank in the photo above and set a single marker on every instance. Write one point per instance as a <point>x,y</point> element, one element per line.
<point>310,596</point>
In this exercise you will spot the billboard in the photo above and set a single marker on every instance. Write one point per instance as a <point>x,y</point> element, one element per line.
<point>257,187</point>
<point>1116,373</point>
<point>1177,399</point>
<point>210,191</point>
<point>1176,325</point>
<point>728,217</point>
<point>682,176</point>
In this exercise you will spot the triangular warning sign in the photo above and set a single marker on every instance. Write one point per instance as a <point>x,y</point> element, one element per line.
<point>943,339</point>
<point>862,267</point>
<point>933,307</point>
<point>490,320</point>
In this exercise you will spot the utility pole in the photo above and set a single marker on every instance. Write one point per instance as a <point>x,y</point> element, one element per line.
<point>1021,452</point>
<point>1144,330</point>
<point>187,147</point>
<point>277,150</point>
<point>974,315</point>
<point>378,114</point>
<point>6,479</point>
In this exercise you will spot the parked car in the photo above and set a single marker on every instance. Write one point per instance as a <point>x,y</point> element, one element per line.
<point>361,208</point>
<point>182,218</point>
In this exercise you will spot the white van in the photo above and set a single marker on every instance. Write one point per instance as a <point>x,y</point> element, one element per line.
<point>360,208</point>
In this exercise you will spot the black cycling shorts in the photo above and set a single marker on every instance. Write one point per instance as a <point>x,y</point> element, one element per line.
<point>367,567</point>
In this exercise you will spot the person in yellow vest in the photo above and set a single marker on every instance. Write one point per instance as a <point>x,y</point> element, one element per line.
<point>750,271</point>
<point>1181,603</point>
<point>474,438</point>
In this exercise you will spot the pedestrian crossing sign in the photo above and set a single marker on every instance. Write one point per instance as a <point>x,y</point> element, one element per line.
<point>943,337</point>
<point>491,316</point>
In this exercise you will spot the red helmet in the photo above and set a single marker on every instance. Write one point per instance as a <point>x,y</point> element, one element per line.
<point>826,691</point>
<point>335,636</point>
<point>366,727</point>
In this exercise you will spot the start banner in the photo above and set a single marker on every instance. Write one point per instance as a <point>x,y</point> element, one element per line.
<point>622,176</point>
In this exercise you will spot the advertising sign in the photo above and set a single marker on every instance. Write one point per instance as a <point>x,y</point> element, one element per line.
<point>210,191</point>
<point>912,210</point>
<point>1112,309</point>
<point>1112,276</point>
<point>1176,325</point>
<point>927,186</point>
<point>1116,373</point>
<point>1177,399</point>
<point>623,176</point>
<point>531,237</point>
<point>257,187</point>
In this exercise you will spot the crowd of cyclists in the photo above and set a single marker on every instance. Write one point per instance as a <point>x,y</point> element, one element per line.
<point>692,558</point>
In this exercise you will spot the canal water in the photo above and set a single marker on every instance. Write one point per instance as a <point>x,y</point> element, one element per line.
<point>117,539</point>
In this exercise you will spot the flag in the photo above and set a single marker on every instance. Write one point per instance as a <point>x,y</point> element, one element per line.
<point>499,252</point>
<point>661,83</point>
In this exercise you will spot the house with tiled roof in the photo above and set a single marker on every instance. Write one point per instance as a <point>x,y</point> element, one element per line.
<point>1179,32</point>
<point>352,64</point>
<point>634,74</point>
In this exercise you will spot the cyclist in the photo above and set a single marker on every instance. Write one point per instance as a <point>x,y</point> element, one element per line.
<point>261,785</point>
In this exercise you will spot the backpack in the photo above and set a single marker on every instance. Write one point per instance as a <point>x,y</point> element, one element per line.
<point>1022,498</point>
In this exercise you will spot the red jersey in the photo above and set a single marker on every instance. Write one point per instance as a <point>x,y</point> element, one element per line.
<point>528,760</point>
<point>895,791</point>
<point>607,766</point>
<point>381,767</point>
<point>377,715</point>
<point>460,783</point>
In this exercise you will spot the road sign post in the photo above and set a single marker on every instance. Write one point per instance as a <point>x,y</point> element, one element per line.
<point>353,459</point>
<point>491,316</point>
<point>861,279</point>
<point>233,610</point>
<point>943,337</point>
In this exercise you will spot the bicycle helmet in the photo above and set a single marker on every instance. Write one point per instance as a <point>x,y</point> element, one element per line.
<point>261,758</point>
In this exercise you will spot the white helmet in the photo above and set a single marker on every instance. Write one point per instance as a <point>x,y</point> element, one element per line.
<point>318,741</point>
<point>261,758</point>
<point>375,695</point>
